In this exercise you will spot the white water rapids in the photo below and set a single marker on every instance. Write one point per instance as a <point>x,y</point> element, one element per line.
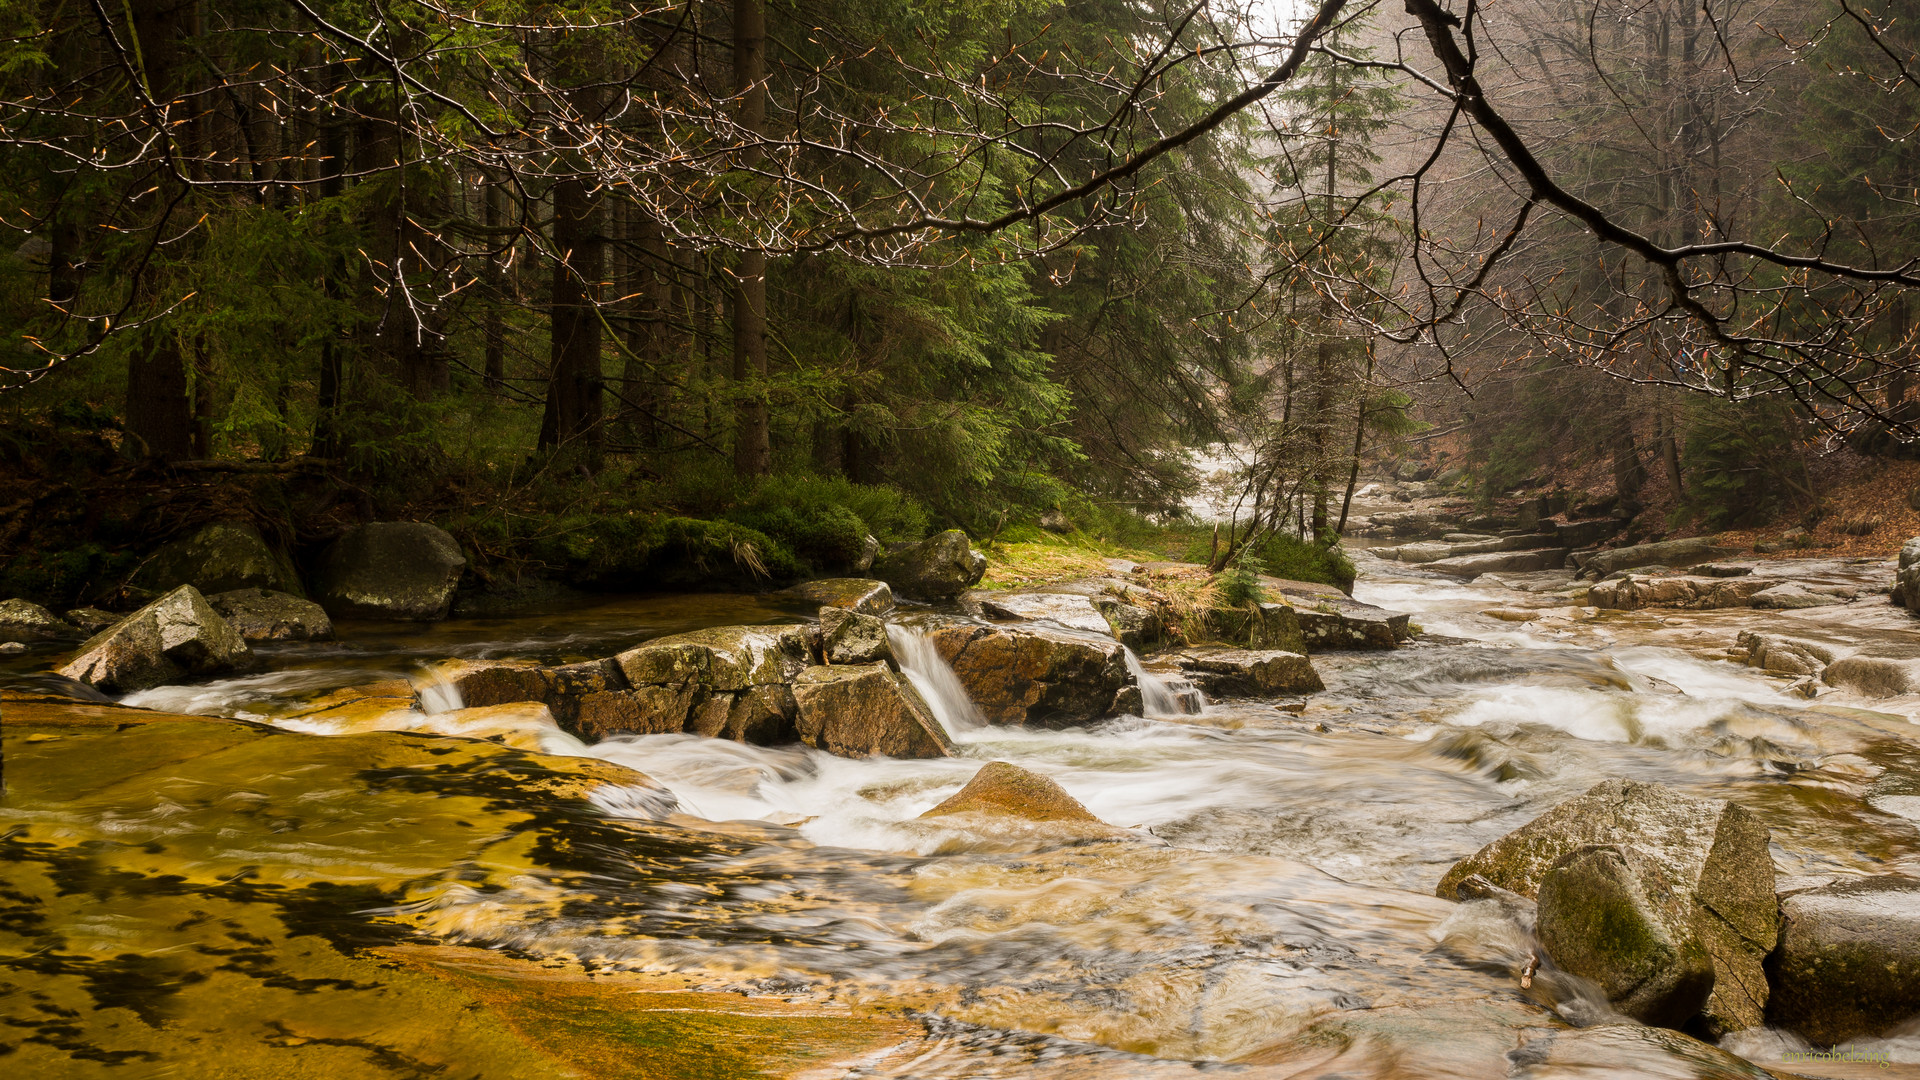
<point>1273,907</point>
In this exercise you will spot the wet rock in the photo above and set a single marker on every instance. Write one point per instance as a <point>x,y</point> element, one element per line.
<point>176,636</point>
<point>848,637</point>
<point>1340,623</point>
<point>1848,966</point>
<point>24,620</point>
<point>219,557</point>
<point>1033,675</point>
<point>1632,592</point>
<point>1906,579</point>
<point>91,620</point>
<point>1011,791</point>
<point>1129,701</point>
<point>1071,610</point>
<point>391,570</point>
<point>719,657</point>
<point>1472,566</point>
<point>1793,595</point>
<point>562,689</point>
<point>865,710</point>
<point>1617,1050</point>
<point>1421,551</point>
<point>1134,626</point>
<point>12,648</point>
<point>1606,913</point>
<point>1282,627</point>
<point>1875,675</point>
<point>364,705</point>
<point>864,595</point>
<point>1249,673</point>
<point>1784,655</point>
<point>1687,552</point>
<point>940,567</point>
<point>263,615</point>
<point>1714,853</point>
<point>724,682</point>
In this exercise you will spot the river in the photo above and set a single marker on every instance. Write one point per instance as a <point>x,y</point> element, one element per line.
<point>1271,915</point>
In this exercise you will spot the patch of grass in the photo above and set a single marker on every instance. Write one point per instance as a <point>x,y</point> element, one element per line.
<point>1036,563</point>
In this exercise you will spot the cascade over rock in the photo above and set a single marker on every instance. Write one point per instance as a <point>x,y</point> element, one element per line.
<point>1033,675</point>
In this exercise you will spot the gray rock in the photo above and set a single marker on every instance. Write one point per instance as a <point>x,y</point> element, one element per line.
<point>12,648</point>
<point>1247,673</point>
<point>848,637</point>
<point>176,636</point>
<point>1055,522</point>
<point>1472,566</point>
<point>940,567</point>
<point>1606,913</point>
<point>1906,580</point>
<point>1136,627</point>
<point>1713,852</point>
<point>1631,592</point>
<point>1849,960</point>
<point>1328,622</point>
<point>1687,552</point>
<point>719,658</point>
<point>262,615</point>
<point>869,551</point>
<point>1281,627</point>
<point>727,682</point>
<point>1784,655</point>
<point>24,620</point>
<point>91,620</point>
<point>864,595</point>
<point>1421,551</point>
<point>391,570</point>
<point>865,710</point>
<point>219,557</point>
<point>1793,595</point>
<point>1070,610</point>
<point>1026,674</point>
<point>562,689</point>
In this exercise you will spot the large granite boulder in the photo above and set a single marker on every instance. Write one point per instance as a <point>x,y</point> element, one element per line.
<point>1281,627</point>
<point>1132,625</point>
<point>1033,675</point>
<point>393,570</point>
<point>176,636</point>
<point>1688,552</point>
<point>1011,791</point>
<point>1712,852</point>
<point>940,567</point>
<point>848,637</point>
<point>864,595</point>
<point>90,620</point>
<point>1250,672</point>
<point>865,710</point>
<point>1607,913</point>
<point>726,682</point>
<point>1848,966</point>
<point>24,620</point>
<point>264,615</point>
<point>219,557</point>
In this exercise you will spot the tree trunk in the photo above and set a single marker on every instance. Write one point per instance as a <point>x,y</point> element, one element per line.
<point>574,381</point>
<point>752,442</point>
<point>492,327</point>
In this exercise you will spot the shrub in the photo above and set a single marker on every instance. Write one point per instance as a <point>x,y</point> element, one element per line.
<point>1295,559</point>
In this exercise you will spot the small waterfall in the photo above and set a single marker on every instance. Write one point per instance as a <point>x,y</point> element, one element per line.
<point>1158,697</point>
<point>436,692</point>
<point>930,674</point>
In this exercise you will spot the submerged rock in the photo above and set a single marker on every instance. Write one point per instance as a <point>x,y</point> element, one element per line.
<point>1848,966</point>
<point>1011,791</point>
<point>1713,852</point>
<point>865,710</point>
<point>864,595</point>
<point>848,637</point>
<point>1251,673</point>
<point>176,636</point>
<point>220,557</point>
<point>395,570</point>
<point>1607,913</point>
<point>24,620</point>
<point>1033,675</point>
<point>263,615</point>
<point>940,567</point>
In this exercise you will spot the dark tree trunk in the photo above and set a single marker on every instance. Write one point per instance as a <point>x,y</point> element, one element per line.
<point>575,383</point>
<point>492,327</point>
<point>752,441</point>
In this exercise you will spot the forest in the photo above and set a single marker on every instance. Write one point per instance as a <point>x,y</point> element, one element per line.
<point>631,295</point>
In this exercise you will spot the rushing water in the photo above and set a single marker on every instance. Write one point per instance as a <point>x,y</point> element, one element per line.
<point>1272,909</point>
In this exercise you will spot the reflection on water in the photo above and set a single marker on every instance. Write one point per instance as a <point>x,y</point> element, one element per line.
<point>1273,908</point>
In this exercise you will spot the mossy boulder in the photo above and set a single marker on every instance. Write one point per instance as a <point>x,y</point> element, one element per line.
<point>864,595</point>
<point>175,637</point>
<point>24,620</point>
<point>1607,913</point>
<point>1712,852</point>
<point>219,557</point>
<point>1009,790</point>
<point>265,615</point>
<point>865,710</point>
<point>940,567</point>
<point>848,637</point>
<point>1848,966</point>
<point>392,570</point>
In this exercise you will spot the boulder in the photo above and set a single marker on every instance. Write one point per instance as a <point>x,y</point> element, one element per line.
<point>220,557</point>
<point>848,637</point>
<point>1688,552</point>
<point>1632,592</point>
<point>1606,913</point>
<point>1906,579</point>
<point>1714,853</point>
<point>1071,610</point>
<point>1472,566</point>
<point>1031,674</point>
<point>1875,675</point>
<point>1134,626</point>
<point>1281,627</point>
<point>562,689</point>
<point>1793,595</point>
<point>263,615</point>
<point>722,682</point>
<point>1848,966</point>
<point>91,620</point>
<point>1340,623</point>
<point>24,620</point>
<point>940,567</point>
<point>1784,655</point>
<point>1011,791</point>
<point>864,595</point>
<point>13,648</point>
<point>176,636</point>
<point>1250,673</point>
<point>1422,551</point>
<point>391,570</point>
<point>865,710</point>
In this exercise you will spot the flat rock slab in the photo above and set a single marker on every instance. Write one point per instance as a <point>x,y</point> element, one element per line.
<point>864,595</point>
<point>1340,623</point>
<point>1687,552</point>
<point>1849,959</point>
<point>1071,610</point>
<point>1472,566</point>
<point>1250,673</point>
